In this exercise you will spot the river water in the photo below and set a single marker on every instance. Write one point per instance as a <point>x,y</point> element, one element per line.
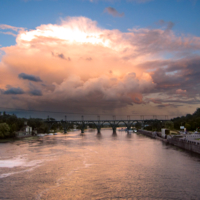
<point>75,166</point>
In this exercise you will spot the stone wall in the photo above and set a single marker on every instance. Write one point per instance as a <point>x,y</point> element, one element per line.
<point>176,141</point>
<point>184,144</point>
<point>147,133</point>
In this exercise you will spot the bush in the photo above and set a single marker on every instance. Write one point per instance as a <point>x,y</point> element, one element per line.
<point>4,130</point>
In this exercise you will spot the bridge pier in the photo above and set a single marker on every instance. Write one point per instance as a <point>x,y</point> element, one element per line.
<point>50,124</point>
<point>65,126</point>
<point>128,124</point>
<point>98,126</point>
<point>82,126</point>
<point>128,127</point>
<point>114,128</point>
<point>98,130</point>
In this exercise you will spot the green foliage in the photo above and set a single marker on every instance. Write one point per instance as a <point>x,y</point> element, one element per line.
<point>169,125</point>
<point>187,126</point>
<point>191,122</point>
<point>148,128</point>
<point>197,113</point>
<point>156,125</point>
<point>42,128</point>
<point>16,124</point>
<point>138,125</point>
<point>4,130</point>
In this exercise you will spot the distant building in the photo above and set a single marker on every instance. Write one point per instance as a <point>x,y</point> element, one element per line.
<point>25,131</point>
<point>164,132</point>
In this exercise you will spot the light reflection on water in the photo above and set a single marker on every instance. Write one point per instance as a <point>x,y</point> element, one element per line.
<point>91,166</point>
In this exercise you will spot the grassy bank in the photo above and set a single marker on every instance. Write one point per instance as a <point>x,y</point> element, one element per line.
<point>15,139</point>
<point>7,140</point>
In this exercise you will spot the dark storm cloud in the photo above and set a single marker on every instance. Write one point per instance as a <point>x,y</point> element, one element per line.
<point>183,74</point>
<point>29,77</point>
<point>61,55</point>
<point>168,105</point>
<point>113,12</point>
<point>14,91</point>
<point>36,92</point>
<point>170,102</point>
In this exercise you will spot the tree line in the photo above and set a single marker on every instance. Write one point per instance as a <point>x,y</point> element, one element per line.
<point>10,124</point>
<point>190,121</point>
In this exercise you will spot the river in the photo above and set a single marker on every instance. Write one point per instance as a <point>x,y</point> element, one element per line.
<point>91,166</point>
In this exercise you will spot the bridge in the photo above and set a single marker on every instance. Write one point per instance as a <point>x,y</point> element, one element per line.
<point>98,124</point>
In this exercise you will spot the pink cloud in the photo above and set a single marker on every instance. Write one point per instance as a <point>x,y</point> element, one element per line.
<point>8,33</point>
<point>180,91</point>
<point>16,29</point>
<point>84,65</point>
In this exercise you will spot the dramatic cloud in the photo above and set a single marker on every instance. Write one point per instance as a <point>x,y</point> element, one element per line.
<point>36,92</point>
<point>86,68</point>
<point>29,77</point>
<point>113,12</point>
<point>13,90</point>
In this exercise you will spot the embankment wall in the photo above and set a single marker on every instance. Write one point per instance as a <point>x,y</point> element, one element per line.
<point>147,133</point>
<point>184,144</point>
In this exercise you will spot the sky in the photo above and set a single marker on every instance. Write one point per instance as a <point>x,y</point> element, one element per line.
<point>100,57</point>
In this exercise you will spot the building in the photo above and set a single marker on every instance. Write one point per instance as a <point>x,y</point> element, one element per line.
<point>25,131</point>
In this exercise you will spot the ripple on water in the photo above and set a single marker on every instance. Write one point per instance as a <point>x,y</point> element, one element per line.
<point>18,163</point>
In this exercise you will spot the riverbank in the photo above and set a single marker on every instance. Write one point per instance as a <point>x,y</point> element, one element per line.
<point>147,133</point>
<point>182,143</point>
<point>17,139</point>
<point>178,141</point>
<point>7,140</point>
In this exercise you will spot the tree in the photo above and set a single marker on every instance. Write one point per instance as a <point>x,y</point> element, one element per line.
<point>156,125</point>
<point>4,130</point>
<point>197,113</point>
<point>187,126</point>
<point>169,125</point>
<point>138,125</point>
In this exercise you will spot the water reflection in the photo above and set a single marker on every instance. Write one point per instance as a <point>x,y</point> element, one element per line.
<point>99,136</point>
<point>97,166</point>
<point>128,135</point>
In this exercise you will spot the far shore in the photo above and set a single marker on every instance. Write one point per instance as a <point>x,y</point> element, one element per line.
<point>6,140</point>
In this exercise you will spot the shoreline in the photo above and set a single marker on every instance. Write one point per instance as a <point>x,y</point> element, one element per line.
<point>6,140</point>
<point>175,141</point>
